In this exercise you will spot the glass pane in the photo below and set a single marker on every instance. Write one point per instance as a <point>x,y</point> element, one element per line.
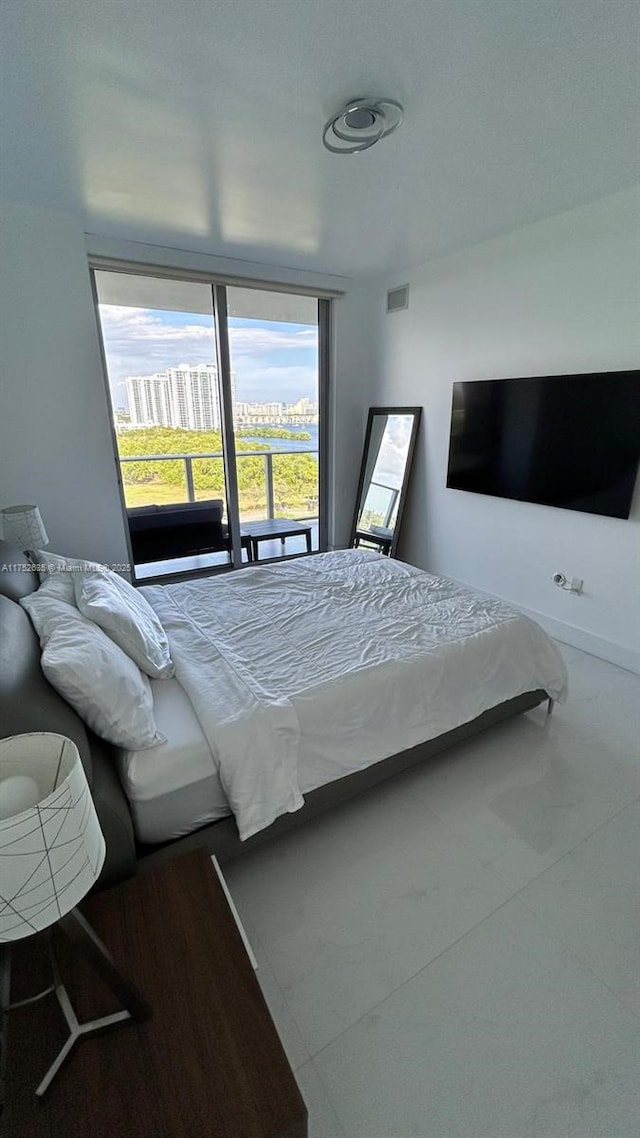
<point>273,342</point>
<point>252,483</point>
<point>147,482</point>
<point>208,477</point>
<point>385,466</point>
<point>159,341</point>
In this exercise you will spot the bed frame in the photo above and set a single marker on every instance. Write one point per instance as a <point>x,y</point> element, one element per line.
<point>29,703</point>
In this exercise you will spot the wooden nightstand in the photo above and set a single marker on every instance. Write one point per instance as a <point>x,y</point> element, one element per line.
<point>208,1063</point>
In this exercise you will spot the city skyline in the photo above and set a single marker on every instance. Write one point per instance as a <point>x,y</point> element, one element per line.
<point>187,397</point>
<point>271,361</point>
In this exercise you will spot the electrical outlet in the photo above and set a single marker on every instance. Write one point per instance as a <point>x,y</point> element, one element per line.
<point>576,584</point>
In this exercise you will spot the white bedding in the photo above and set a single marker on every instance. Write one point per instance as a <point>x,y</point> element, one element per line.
<point>335,662</point>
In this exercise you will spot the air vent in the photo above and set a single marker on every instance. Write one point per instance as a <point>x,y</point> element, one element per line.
<point>398,298</point>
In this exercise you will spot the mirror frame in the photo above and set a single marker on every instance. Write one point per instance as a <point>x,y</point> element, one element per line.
<point>373,411</point>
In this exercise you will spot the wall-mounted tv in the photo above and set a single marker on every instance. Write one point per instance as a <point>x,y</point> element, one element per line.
<point>561,440</point>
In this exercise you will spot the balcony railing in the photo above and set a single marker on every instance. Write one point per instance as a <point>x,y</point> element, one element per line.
<point>393,495</point>
<point>189,458</point>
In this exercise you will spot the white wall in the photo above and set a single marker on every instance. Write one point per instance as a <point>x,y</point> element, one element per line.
<point>353,376</point>
<point>55,444</point>
<point>561,295</point>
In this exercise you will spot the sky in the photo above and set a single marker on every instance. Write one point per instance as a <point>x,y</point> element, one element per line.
<point>392,455</point>
<point>271,361</point>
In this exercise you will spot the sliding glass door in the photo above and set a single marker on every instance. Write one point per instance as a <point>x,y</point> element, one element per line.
<point>217,396</point>
<point>274,354</point>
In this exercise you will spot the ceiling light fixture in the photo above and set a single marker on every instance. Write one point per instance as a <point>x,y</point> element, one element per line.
<point>360,124</point>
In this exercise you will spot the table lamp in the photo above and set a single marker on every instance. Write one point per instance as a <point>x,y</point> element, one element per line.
<point>51,852</point>
<point>22,526</point>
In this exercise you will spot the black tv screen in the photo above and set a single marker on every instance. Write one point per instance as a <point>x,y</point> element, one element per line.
<point>561,440</point>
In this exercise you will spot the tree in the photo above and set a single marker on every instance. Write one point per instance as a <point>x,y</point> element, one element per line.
<point>295,476</point>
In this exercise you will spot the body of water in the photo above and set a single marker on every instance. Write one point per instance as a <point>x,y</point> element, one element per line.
<point>284,444</point>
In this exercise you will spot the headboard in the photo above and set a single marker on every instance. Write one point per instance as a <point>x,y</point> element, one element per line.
<point>29,703</point>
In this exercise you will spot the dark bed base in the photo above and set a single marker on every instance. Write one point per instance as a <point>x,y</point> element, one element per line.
<point>221,838</point>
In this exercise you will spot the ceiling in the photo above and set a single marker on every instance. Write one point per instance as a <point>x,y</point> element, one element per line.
<point>197,124</point>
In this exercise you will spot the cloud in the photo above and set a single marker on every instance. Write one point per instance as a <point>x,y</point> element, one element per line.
<point>260,339</point>
<point>269,361</point>
<point>137,342</point>
<point>392,455</point>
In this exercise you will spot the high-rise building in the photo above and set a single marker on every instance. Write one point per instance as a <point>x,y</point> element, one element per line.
<point>184,396</point>
<point>260,412</point>
<point>148,400</point>
<point>304,406</point>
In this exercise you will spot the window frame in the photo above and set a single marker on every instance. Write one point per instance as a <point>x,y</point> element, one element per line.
<point>219,284</point>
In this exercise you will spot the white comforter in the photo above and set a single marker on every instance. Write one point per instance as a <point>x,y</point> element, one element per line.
<point>346,658</point>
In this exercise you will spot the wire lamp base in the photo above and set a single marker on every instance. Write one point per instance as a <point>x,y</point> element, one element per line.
<point>79,932</point>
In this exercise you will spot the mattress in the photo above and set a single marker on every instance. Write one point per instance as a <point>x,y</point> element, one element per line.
<point>300,673</point>
<point>175,788</point>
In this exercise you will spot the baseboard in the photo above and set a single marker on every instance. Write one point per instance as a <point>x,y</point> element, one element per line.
<point>621,654</point>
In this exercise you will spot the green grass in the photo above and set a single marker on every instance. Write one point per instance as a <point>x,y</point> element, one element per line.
<point>154,493</point>
<point>163,494</point>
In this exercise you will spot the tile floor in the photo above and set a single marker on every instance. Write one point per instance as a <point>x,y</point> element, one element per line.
<point>457,954</point>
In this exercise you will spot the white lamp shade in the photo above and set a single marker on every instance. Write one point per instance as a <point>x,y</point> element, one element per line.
<point>22,526</point>
<point>52,851</point>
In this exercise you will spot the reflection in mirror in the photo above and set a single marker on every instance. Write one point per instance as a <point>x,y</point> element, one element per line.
<point>384,476</point>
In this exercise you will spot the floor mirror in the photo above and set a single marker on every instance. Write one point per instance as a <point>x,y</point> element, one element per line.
<point>384,477</point>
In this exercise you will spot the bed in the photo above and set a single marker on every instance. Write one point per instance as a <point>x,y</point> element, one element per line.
<point>300,684</point>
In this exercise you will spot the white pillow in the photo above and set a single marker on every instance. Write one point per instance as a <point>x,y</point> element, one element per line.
<point>124,614</point>
<point>57,574</point>
<point>95,676</point>
<point>48,610</point>
<point>54,563</point>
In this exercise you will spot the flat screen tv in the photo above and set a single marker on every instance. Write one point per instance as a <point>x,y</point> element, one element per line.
<point>571,441</point>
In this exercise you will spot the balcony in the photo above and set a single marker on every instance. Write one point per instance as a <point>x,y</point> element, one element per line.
<point>266,490</point>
